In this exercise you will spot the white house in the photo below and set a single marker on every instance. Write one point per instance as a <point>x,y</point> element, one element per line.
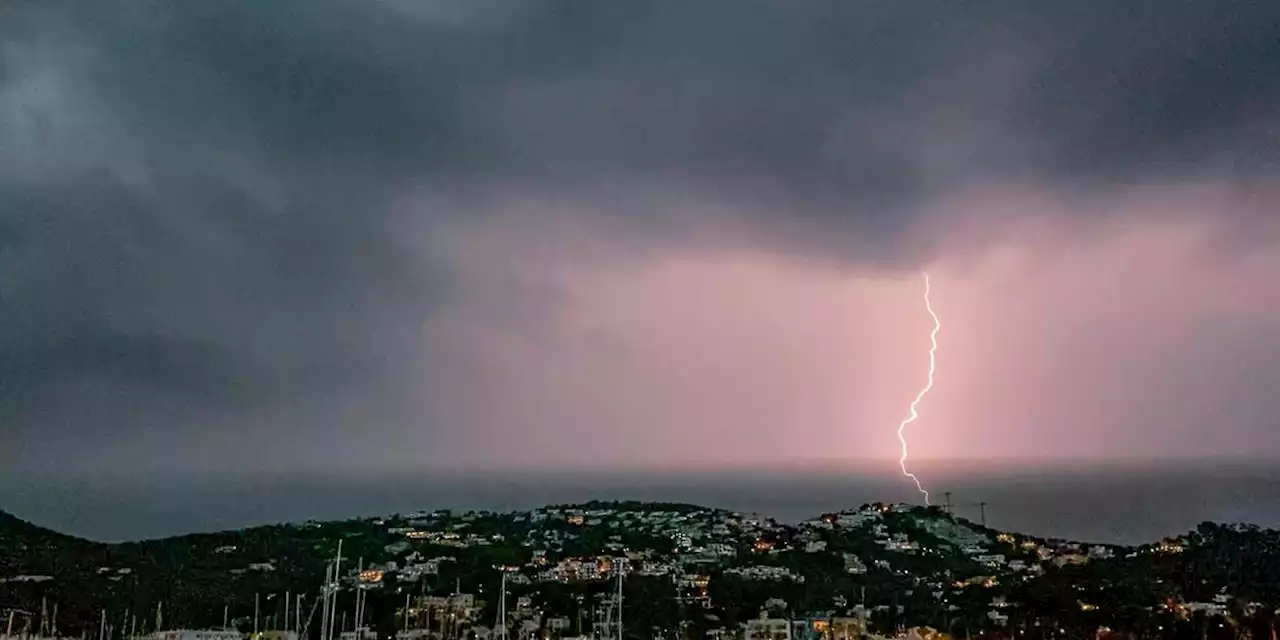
<point>196,634</point>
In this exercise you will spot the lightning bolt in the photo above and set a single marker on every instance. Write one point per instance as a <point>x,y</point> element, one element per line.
<point>933,348</point>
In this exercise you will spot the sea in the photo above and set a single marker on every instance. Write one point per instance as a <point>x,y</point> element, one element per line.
<point>1113,502</point>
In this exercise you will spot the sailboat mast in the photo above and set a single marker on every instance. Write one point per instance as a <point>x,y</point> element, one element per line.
<point>619,565</point>
<point>360,595</point>
<point>324,599</point>
<point>501,624</point>
<point>337,582</point>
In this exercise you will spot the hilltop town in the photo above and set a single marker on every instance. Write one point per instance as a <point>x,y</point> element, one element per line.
<point>680,571</point>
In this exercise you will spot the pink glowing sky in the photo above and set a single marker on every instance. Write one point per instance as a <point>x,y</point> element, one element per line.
<point>1148,331</point>
<point>234,240</point>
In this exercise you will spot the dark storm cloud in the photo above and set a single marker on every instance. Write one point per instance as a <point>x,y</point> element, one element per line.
<point>1170,87</point>
<point>200,217</point>
<point>826,96</point>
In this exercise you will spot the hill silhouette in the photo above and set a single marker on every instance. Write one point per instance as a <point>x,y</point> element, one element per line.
<point>199,576</point>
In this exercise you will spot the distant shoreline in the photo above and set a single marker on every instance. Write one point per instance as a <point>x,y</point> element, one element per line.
<point>1107,505</point>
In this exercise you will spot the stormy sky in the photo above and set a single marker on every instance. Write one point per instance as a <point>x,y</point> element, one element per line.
<point>246,237</point>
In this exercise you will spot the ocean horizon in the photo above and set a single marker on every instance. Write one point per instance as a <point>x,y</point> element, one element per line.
<point>1115,502</point>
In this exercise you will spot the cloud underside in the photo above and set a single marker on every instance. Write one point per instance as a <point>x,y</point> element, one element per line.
<point>371,231</point>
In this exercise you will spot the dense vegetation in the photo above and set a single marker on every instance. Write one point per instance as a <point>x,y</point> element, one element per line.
<point>200,578</point>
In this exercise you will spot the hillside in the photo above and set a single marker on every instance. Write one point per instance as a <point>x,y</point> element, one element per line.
<point>27,548</point>
<point>914,565</point>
